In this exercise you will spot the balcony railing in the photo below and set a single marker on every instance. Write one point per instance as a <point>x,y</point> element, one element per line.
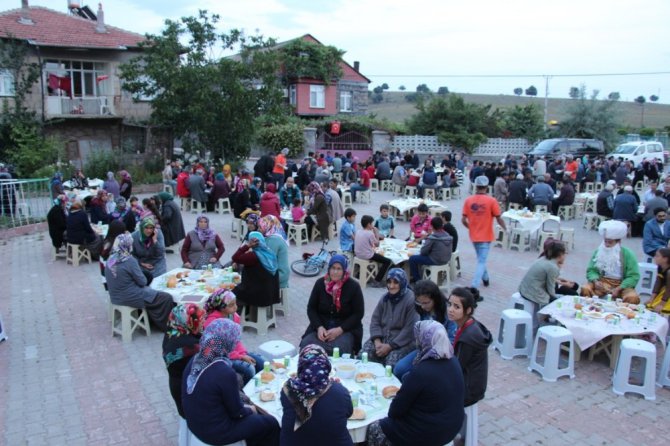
<point>61,106</point>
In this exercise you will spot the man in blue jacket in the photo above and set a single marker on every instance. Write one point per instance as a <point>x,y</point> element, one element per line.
<point>656,233</point>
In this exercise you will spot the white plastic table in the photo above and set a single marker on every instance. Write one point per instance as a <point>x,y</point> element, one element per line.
<point>191,289</point>
<point>396,250</point>
<point>530,221</point>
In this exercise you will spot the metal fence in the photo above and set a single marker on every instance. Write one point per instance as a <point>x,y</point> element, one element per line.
<point>24,202</point>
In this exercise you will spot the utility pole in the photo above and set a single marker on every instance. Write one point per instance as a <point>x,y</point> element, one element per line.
<point>546,99</point>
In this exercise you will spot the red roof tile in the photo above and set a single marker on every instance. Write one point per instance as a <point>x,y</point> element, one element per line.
<point>53,28</point>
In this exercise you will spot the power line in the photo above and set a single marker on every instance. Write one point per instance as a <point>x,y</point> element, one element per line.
<point>648,73</point>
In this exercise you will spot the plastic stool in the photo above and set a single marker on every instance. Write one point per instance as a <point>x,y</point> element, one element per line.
<point>456,192</point>
<point>197,207</point>
<point>589,188</point>
<point>550,369</point>
<point>365,272</point>
<point>235,224</point>
<point>347,201</point>
<point>566,212</point>
<point>434,272</point>
<point>195,441</point>
<point>455,265</point>
<point>130,320</point>
<point>520,239</point>
<point>364,196</point>
<point>386,186</point>
<point>338,176</point>
<point>410,191</point>
<point>622,373</point>
<point>3,334</point>
<point>283,301</point>
<point>599,187</point>
<point>515,334</point>
<point>639,187</point>
<point>541,208</point>
<point>298,233</point>
<point>515,206</point>
<point>647,280</point>
<point>167,188</point>
<point>374,184</point>
<point>57,253</point>
<point>276,349</point>
<point>543,236</point>
<point>242,228</point>
<point>429,194</point>
<point>590,221</point>
<point>185,204</point>
<point>577,210</point>
<point>567,236</point>
<point>516,302</point>
<point>502,239</point>
<point>590,205</point>
<point>223,206</point>
<point>263,322</point>
<point>398,190</point>
<point>444,193</point>
<point>472,425</point>
<point>663,379</point>
<point>76,253</point>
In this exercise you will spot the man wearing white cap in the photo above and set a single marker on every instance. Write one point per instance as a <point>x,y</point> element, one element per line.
<point>479,210</point>
<point>605,200</point>
<point>613,269</point>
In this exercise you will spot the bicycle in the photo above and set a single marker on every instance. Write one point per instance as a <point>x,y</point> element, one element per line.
<point>312,264</point>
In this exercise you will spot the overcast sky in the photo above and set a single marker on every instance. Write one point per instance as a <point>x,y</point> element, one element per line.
<point>409,43</point>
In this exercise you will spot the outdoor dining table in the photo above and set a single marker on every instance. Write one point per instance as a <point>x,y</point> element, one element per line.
<point>529,221</point>
<point>403,205</point>
<point>596,332</point>
<point>100,229</point>
<point>376,407</point>
<point>197,286</point>
<point>396,250</point>
<point>92,183</point>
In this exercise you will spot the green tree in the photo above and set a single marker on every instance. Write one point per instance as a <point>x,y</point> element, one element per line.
<point>443,91</point>
<point>302,58</point>
<point>614,96</point>
<point>531,91</point>
<point>210,102</point>
<point>589,117</point>
<point>653,98</point>
<point>31,150</point>
<point>463,125</point>
<point>385,86</point>
<point>276,137</point>
<point>423,88</point>
<point>402,88</point>
<point>524,122</point>
<point>574,92</point>
<point>518,91</point>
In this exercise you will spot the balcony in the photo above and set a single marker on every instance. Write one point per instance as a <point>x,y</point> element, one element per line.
<point>59,106</point>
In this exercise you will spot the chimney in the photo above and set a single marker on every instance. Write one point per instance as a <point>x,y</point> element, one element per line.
<point>100,27</point>
<point>25,14</point>
<point>357,65</point>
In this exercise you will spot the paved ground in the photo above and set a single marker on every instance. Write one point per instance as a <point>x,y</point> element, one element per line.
<point>65,380</point>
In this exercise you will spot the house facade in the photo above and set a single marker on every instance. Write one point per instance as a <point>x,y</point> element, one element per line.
<point>79,96</point>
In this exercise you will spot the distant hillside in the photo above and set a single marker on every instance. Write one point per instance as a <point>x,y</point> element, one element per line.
<point>397,109</point>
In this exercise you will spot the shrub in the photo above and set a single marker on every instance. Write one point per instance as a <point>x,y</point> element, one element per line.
<point>100,162</point>
<point>32,150</point>
<point>276,137</point>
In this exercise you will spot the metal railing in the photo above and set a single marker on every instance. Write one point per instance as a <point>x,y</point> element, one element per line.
<point>100,106</point>
<point>24,202</point>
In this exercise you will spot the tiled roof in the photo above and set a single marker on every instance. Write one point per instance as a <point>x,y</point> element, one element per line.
<point>53,28</point>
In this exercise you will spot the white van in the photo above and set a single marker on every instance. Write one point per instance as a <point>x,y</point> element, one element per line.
<point>638,151</point>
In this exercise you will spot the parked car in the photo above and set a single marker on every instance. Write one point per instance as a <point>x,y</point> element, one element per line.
<point>555,147</point>
<point>638,151</point>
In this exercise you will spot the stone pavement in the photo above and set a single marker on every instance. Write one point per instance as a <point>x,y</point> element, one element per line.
<point>65,380</point>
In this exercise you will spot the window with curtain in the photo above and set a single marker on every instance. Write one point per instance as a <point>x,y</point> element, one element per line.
<point>317,96</point>
<point>6,83</point>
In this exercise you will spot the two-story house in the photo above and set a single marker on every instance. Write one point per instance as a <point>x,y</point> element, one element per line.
<point>79,96</point>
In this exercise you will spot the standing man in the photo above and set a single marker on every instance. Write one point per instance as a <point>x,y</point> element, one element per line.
<point>279,169</point>
<point>479,210</point>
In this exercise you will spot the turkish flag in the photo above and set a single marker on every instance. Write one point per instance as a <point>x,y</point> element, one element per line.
<point>335,127</point>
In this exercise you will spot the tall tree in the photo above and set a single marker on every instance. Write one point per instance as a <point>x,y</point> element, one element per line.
<point>574,92</point>
<point>518,91</point>
<point>614,96</point>
<point>589,117</point>
<point>653,98</point>
<point>531,91</point>
<point>210,102</point>
<point>524,122</point>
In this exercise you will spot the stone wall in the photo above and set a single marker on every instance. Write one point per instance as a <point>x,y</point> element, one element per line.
<point>359,92</point>
<point>492,148</point>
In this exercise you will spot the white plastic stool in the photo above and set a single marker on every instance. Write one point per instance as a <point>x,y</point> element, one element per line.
<point>435,272</point>
<point>283,301</point>
<point>663,379</point>
<point>589,188</point>
<point>223,206</point>
<point>566,212</point>
<point>76,253</point>
<point>195,441</point>
<point>197,207</point>
<point>590,221</point>
<point>471,425</point>
<point>502,239</point>
<point>242,228</point>
<point>167,188</point>
<point>543,236</point>
<point>516,302</point>
<point>429,194</point>
<point>410,191</point>
<point>347,201</point>
<point>398,190</point>
<point>520,239</point>
<point>130,319</point>
<point>276,349</point>
<point>648,272</point>
<point>456,192</point>
<point>3,334</point>
<point>235,223</point>
<point>599,186</point>
<point>262,322</point>
<point>515,334</point>
<point>338,176</point>
<point>551,368</point>
<point>386,185</point>
<point>578,210</point>
<point>444,193</point>
<point>298,233</point>
<point>363,270</point>
<point>622,373</point>
<point>364,196</point>
<point>455,265</point>
<point>567,236</point>
<point>185,204</point>
<point>515,206</point>
<point>374,184</point>
<point>541,208</point>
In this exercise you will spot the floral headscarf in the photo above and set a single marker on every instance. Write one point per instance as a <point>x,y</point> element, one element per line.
<point>267,258</point>
<point>270,225</point>
<point>242,183</point>
<point>310,383</point>
<point>432,341</point>
<point>218,340</point>
<point>399,275</point>
<point>334,287</point>
<point>313,189</point>
<point>121,251</point>
<point>219,300</point>
<point>125,175</point>
<point>61,200</point>
<point>184,329</point>
<point>204,235</point>
<point>253,218</point>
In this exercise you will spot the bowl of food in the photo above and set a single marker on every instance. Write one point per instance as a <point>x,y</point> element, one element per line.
<point>345,369</point>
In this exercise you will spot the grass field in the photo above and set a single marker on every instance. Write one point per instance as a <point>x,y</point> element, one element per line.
<point>397,109</point>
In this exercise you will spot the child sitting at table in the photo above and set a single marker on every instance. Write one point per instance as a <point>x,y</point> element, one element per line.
<point>222,303</point>
<point>385,223</point>
<point>419,226</point>
<point>348,231</point>
<point>413,180</point>
<point>297,211</point>
<point>365,243</point>
<point>110,205</point>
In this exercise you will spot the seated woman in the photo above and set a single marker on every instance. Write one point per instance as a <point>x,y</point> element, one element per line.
<point>202,246</point>
<point>660,295</point>
<point>123,213</point>
<point>393,319</point>
<point>79,231</point>
<point>275,238</point>
<point>98,208</point>
<point>223,304</point>
<point>315,407</point>
<point>116,228</point>
<point>335,310</point>
<point>471,345</point>
<point>149,248</point>
<point>211,399</point>
<point>220,189</point>
<point>242,202</point>
<point>428,408</point>
<point>180,343</point>
<point>57,222</point>
<point>260,282</point>
<point>128,285</point>
<point>252,220</point>
<point>150,209</point>
<point>431,305</point>
<point>269,204</point>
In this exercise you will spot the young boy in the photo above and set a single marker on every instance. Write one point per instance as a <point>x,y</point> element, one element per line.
<point>385,223</point>
<point>364,248</point>
<point>297,212</point>
<point>450,229</point>
<point>419,226</point>
<point>348,231</point>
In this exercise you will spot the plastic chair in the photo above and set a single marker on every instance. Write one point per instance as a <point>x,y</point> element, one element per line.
<point>262,322</point>
<point>76,253</point>
<point>298,233</point>
<point>515,334</point>
<point>129,319</point>
<point>552,368</point>
<point>622,373</point>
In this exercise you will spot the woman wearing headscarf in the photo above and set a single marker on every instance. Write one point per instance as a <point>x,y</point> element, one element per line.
<point>111,186</point>
<point>116,228</point>
<point>393,319</point>
<point>126,186</point>
<point>79,231</point>
<point>180,343</point>
<point>98,208</point>
<point>220,189</point>
<point>255,193</point>
<point>270,201</point>
<point>172,224</point>
<point>56,185</point>
<point>318,210</point>
<point>202,246</point>
<point>335,310</point>
<point>128,285</point>
<point>428,408</point>
<point>228,175</point>
<point>315,408</point>
<point>57,222</point>
<point>123,213</point>
<point>210,397</point>
<point>260,282</point>
<point>252,220</point>
<point>242,202</point>
<point>149,247</point>
<point>150,209</point>
<point>275,238</point>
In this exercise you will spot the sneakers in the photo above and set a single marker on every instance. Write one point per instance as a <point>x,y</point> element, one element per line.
<point>486,282</point>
